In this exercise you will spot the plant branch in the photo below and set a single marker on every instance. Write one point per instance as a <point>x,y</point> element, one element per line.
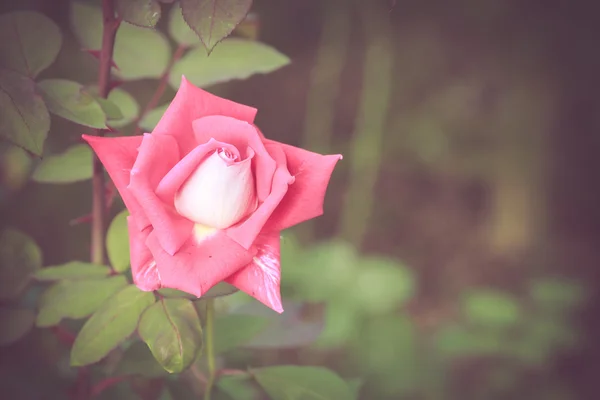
<point>209,345</point>
<point>106,384</point>
<point>160,89</point>
<point>110,25</point>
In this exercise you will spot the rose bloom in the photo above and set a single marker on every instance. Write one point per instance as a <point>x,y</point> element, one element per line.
<point>208,196</point>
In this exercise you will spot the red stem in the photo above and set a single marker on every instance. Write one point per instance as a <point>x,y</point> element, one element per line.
<point>110,24</point>
<point>160,89</point>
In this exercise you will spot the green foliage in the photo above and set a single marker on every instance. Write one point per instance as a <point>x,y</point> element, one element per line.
<point>232,59</point>
<point>30,42</point>
<point>76,299</point>
<point>301,383</point>
<point>19,258</point>
<point>237,387</point>
<point>556,294</point>
<point>180,30</point>
<point>72,270</point>
<point>219,290</point>
<point>71,101</point>
<point>152,117</point>
<point>117,242</point>
<point>112,323</point>
<point>73,165</point>
<point>138,360</point>
<point>233,330</point>
<point>172,331</point>
<point>145,13</point>
<point>288,330</point>
<point>491,308</point>
<point>14,323</point>
<point>214,20</point>
<point>24,119</point>
<point>128,108</point>
<point>139,52</point>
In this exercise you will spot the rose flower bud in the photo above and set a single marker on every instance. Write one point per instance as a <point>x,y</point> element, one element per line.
<point>208,195</point>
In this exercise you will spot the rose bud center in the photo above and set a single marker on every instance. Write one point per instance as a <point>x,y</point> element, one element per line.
<point>220,192</point>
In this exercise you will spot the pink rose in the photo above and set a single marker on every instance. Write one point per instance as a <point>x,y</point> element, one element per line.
<point>208,195</point>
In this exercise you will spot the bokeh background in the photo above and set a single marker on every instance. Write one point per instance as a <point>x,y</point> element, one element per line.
<point>457,257</point>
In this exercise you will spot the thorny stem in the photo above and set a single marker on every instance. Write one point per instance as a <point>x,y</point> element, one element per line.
<point>110,24</point>
<point>160,89</point>
<point>209,345</point>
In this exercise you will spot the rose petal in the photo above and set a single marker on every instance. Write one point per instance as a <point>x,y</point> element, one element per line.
<point>198,265</point>
<point>143,267</point>
<point>242,135</point>
<point>172,181</point>
<point>304,199</point>
<point>158,155</point>
<point>246,231</point>
<point>191,103</point>
<point>262,277</point>
<point>118,155</point>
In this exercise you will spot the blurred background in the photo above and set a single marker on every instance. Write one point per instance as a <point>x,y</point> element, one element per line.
<point>457,255</point>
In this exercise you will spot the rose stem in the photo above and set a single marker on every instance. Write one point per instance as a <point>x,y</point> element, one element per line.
<point>367,144</point>
<point>160,89</point>
<point>110,24</point>
<point>208,343</point>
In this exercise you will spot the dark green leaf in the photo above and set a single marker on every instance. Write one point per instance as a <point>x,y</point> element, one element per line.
<point>71,101</point>
<point>114,321</point>
<point>74,165</point>
<point>14,324</point>
<point>145,13</point>
<point>76,299</point>
<point>24,119</point>
<point>287,382</point>
<point>152,117</point>
<point>491,308</point>
<point>234,330</point>
<point>117,242</point>
<point>19,258</point>
<point>214,20</point>
<point>355,385</point>
<point>139,52</point>
<point>111,110</point>
<point>232,59</point>
<point>179,30</point>
<point>138,360</point>
<point>30,42</point>
<point>219,290</point>
<point>72,270</point>
<point>238,387</point>
<point>174,293</point>
<point>287,330</point>
<point>127,105</point>
<point>172,330</point>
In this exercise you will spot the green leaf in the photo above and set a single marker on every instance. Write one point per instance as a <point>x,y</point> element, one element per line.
<point>214,20</point>
<point>491,308</point>
<point>152,117</point>
<point>117,242</point>
<point>30,42</point>
<point>138,360</point>
<point>19,258</point>
<point>114,321</point>
<point>24,119</point>
<point>179,30</point>
<point>111,110</point>
<point>73,165</point>
<point>139,53</point>
<point>557,294</point>
<point>288,330</point>
<point>172,330</point>
<point>382,285</point>
<point>238,387</point>
<point>287,382</point>
<point>145,13</point>
<point>127,105</point>
<point>232,59</point>
<point>72,270</point>
<point>71,101</point>
<point>219,290</point>
<point>14,324</point>
<point>76,299</point>
<point>233,330</point>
